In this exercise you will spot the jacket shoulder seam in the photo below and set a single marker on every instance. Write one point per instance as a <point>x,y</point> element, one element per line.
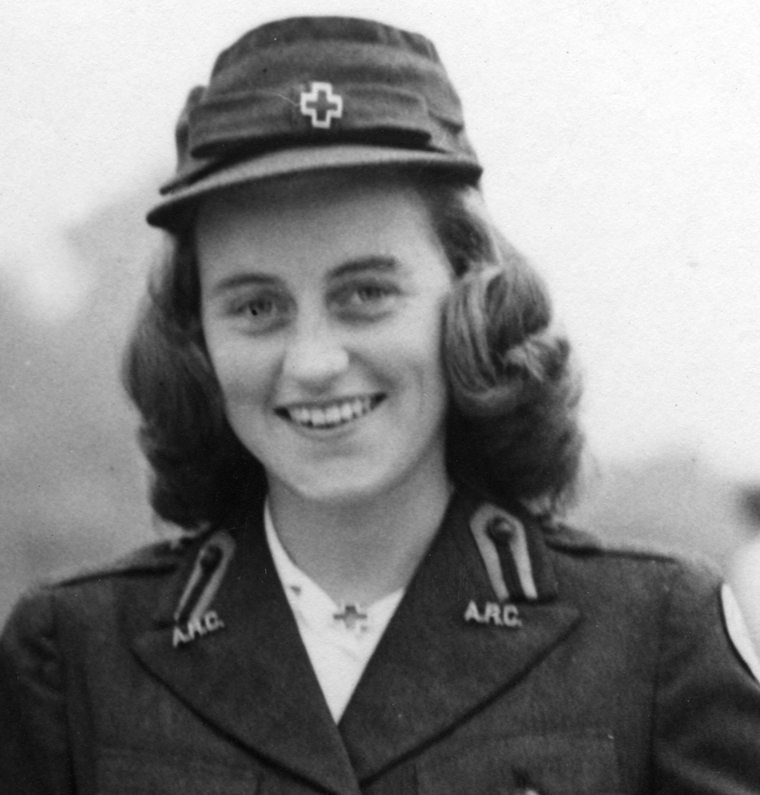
<point>158,558</point>
<point>580,542</point>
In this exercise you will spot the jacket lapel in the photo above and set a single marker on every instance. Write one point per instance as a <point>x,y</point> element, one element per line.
<point>432,668</point>
<point>252,678</point>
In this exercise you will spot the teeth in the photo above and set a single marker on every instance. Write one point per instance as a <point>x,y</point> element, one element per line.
<point>333,415</point>
<point>301,416</point>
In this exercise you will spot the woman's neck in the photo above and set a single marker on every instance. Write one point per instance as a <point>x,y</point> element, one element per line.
<point>364,550</point>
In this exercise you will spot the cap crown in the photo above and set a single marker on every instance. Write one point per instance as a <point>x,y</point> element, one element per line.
<point>319,80</point>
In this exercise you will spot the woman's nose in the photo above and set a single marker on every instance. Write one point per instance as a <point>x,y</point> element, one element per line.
<point>314,355</point>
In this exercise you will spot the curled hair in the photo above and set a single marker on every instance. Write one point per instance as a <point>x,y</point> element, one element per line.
<point>199,466</point>
<point>512,433</point>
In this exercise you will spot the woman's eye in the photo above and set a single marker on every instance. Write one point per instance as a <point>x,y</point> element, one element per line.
<point>370,292</point>
<point>367,299</point>
<point>261,312</point>
<point>260,307</point>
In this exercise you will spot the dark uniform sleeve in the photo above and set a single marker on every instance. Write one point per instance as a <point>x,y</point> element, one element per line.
<point>34,748</point>
<point>707,730</point>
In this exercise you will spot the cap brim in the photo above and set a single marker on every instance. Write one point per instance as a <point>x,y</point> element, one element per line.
<point>304,159</point>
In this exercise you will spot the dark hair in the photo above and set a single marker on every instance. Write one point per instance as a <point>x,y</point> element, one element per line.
<point>512,432</point>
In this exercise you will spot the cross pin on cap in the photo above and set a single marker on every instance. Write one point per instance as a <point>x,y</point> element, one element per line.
<point>322,105</point>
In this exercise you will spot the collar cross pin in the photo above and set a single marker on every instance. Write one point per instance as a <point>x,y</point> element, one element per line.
<point>321,105</point>
<point>352,616</point>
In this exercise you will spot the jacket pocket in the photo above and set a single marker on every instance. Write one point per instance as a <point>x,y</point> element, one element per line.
<point>137,772</point>
<point>546,764</point>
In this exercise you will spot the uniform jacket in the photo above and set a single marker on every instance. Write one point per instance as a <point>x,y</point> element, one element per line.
<point>547,665</point>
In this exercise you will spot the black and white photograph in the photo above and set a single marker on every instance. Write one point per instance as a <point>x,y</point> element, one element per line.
<point>380,390</point>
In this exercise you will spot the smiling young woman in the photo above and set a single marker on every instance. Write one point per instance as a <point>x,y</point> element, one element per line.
<point>356,410</point>
<point>317,296</point>
<point>321,303</point>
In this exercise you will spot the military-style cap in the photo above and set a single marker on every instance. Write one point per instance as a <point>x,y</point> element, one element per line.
<point>312,94</point>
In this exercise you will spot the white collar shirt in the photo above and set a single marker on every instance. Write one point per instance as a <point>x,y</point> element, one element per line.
<point>339,639</point>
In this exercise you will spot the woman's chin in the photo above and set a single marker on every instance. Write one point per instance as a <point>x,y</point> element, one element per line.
<point>332,489</point>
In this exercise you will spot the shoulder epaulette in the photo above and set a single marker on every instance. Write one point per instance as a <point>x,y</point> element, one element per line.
<point>564,537</point>
<point>569,539</point>
<point>159,557</point>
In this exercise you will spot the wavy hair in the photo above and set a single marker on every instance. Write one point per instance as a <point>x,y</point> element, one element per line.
<point>512,430</point>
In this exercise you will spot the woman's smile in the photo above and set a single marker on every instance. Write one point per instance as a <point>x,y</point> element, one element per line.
<point>321,307</point>
<point>332,414</point>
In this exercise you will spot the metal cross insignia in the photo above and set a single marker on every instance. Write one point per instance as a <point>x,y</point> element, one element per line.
<point>321,105</point>
<point>351,616</point>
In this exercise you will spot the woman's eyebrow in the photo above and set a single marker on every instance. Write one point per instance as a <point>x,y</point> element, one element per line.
<point>364,264</point>
<point>238,280</point>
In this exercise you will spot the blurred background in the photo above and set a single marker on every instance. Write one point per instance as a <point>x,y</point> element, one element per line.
<point>621,150</point>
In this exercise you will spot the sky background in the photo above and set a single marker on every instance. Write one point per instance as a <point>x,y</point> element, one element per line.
<point>621,152</point>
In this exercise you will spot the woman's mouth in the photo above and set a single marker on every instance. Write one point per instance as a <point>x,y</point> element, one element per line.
<point>330,414</point>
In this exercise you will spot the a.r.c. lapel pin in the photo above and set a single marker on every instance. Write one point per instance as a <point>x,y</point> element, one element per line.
<point>502,541</point>
<point>197,628</point>
<point>192,618</point>
<point>498,615</point>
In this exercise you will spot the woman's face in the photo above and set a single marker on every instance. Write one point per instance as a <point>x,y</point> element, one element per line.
<point>321,301</point>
